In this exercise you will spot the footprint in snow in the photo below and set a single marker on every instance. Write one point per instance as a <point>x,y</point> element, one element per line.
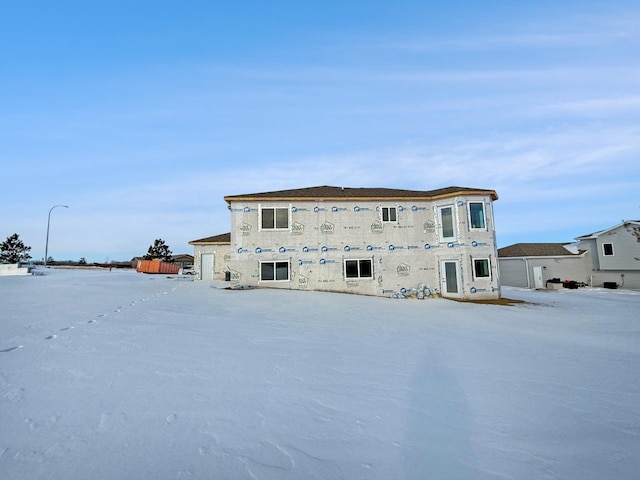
<point>110,421</point>
<point>14,394</point>
<point>32,425</point>
<point>50,337</point>
<point>206,451</point>
<point>185,475</point>
<point>10,349</point>
<point>171,418</point>
<point>65,329</point>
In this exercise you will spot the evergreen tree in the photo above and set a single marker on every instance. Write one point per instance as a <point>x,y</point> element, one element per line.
<point>12,250</point>
<point>160,250</point>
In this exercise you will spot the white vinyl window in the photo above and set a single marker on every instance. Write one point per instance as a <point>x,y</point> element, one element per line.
<point>447,223</point>
<point>274,271</point>
<point>272,218</point>
<point>477,219</point>
<point>607,249</point>
<point>481,268</point>
<point>389,214</point>
<point>358,268</point>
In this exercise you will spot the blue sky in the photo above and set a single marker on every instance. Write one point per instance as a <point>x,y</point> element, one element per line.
<point>142,116</point>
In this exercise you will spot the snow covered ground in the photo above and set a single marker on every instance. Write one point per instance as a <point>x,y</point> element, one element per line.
<point>120,375</point>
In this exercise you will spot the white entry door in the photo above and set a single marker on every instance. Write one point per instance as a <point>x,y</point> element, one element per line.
<point>450,278</point>
<point>206,266</point>
<point>537,278</point>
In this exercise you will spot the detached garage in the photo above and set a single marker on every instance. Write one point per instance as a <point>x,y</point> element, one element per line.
<point>531,265</point>
<point>211,257</point>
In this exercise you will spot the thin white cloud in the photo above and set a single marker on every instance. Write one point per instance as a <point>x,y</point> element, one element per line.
<point>543,178</point>
<point>582,29</point>
<point>510,41</point>
<point>591,106</point>
<point>510,162</point>
<point>304,77</point>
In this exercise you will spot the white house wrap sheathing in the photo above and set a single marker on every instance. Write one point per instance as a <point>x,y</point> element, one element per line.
<point>407,253</point>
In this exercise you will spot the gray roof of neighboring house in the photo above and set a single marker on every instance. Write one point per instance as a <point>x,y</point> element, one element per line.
<point>535,250</point>
<point>600,232</point>
<point>326,192</point>
<point>222,238</point>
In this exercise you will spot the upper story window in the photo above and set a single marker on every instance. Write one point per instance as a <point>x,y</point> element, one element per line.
<point>274,218</point>
<point>389,214</point>
<point>358,268</point>
<point>607,249</point>
<point>447,224</point>
<point>477,216</point>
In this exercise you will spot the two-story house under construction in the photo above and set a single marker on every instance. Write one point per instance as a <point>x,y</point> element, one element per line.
<point>371,241</point>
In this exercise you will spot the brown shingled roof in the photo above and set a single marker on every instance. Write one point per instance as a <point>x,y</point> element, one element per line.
<point>222,238</point>
<point>534,250</point>
<point>326,192</point>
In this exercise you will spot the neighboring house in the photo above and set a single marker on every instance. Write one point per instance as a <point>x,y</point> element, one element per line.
<point>372,241</point>
<point>212,257</point>
<point>531,265</point>
<point>135,260</point>
<point>184,260</point>
<point>615,255</point>
<point>607,258</point>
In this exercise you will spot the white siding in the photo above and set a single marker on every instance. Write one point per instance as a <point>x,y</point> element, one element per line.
<point>626,250</point>
<point>518,271</point>
<point>623,267</point>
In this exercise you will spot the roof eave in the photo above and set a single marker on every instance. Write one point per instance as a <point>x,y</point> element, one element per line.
<point>279,198</point>
<point>582,253</point>
<point>594,235</point>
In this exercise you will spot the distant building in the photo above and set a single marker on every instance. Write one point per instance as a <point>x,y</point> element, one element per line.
<point>614,255</point>
<point>607,258</point>
<point>184,260</point>
<point>531,265</point>
<point>211,257</point>
<point>371,241</point>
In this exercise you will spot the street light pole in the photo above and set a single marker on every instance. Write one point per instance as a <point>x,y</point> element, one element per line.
<point>46,246</point>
